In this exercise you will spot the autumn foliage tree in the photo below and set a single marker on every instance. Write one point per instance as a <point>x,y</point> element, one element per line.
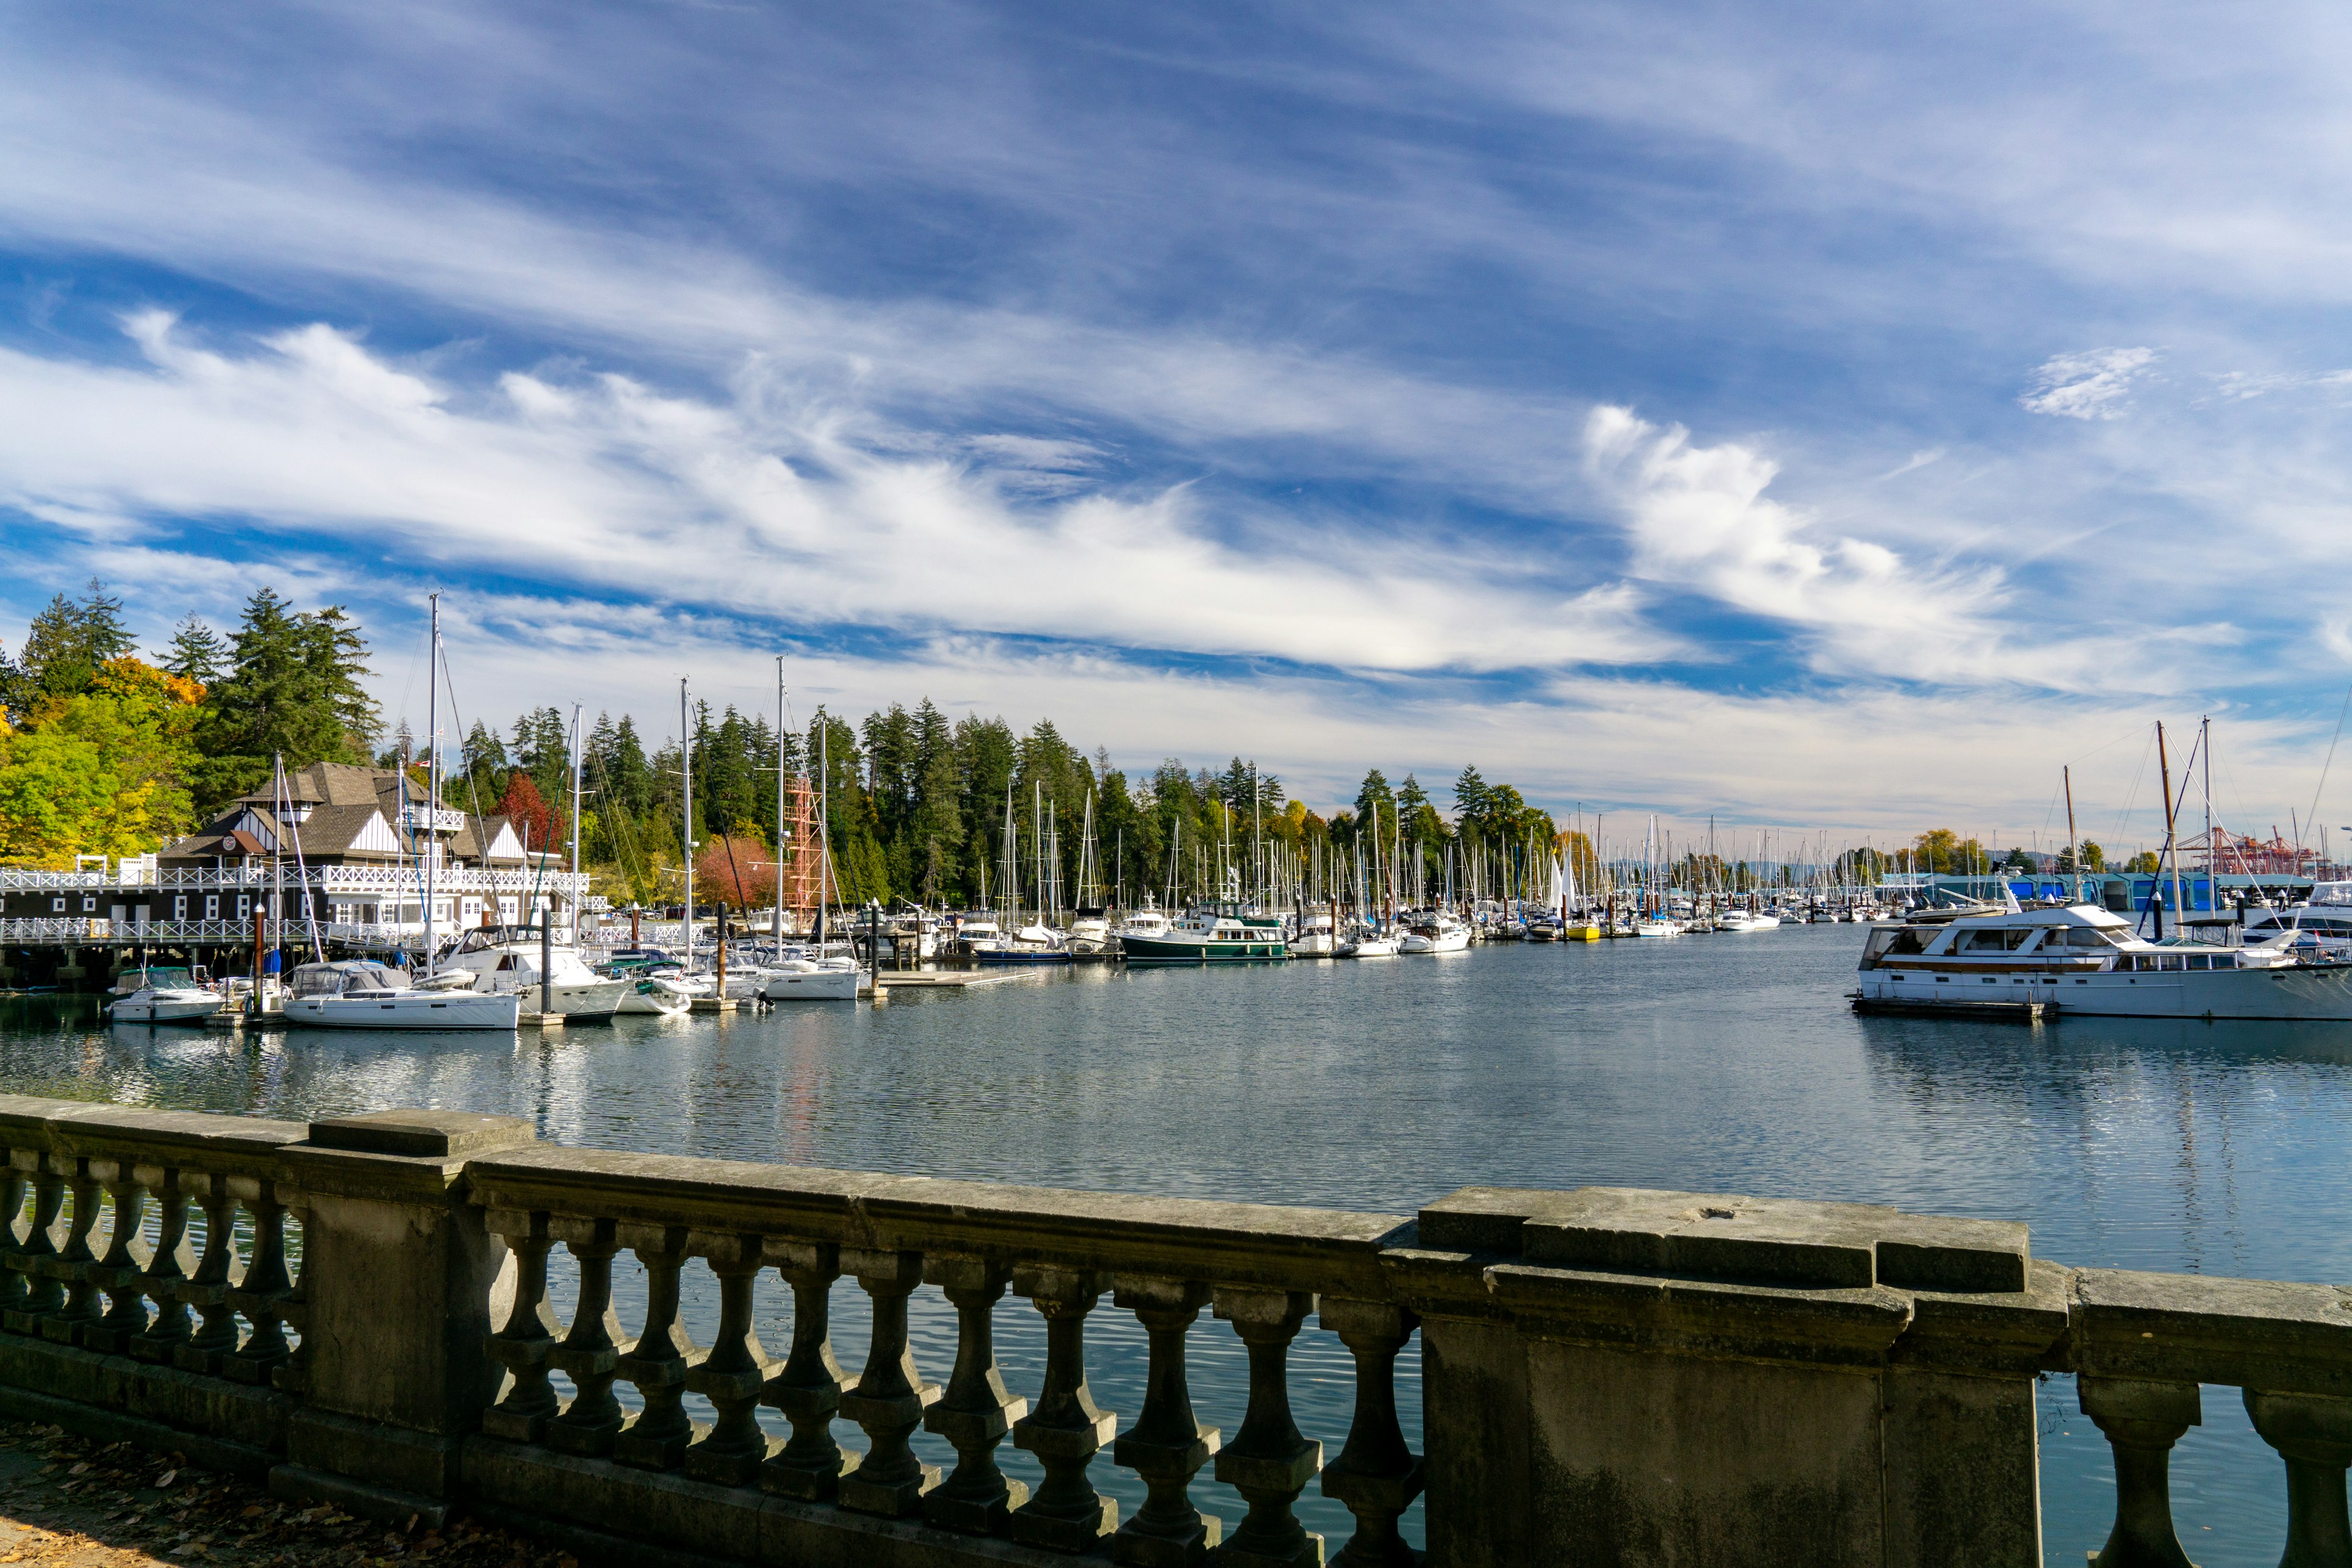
<point>737,870</point>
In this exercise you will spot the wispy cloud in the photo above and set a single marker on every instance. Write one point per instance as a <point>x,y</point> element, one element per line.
<point>2093,385</point>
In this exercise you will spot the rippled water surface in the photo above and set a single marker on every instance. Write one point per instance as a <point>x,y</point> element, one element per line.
<point>1720,1064</point>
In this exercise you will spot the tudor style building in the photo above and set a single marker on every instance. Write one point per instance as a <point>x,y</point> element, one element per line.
<point>339,859</point>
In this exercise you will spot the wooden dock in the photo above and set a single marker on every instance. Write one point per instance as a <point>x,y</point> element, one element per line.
<point>715,1004</point>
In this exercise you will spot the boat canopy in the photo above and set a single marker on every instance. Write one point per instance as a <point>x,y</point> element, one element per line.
<point>343,976</point>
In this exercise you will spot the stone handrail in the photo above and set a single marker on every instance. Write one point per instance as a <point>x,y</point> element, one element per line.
<point>1608,1375</point>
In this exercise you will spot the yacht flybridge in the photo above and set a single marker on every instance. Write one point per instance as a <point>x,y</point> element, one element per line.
<point>2082,959</point>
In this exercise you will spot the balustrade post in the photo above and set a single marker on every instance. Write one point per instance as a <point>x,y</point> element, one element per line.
<point>891,1396</point>
<point>1269,1462</point>
<point>292,1373</point>
<point>1067,1428</point>
<point>44,1292</point>
<point>522,1344</point>
<point>168,1266</point>
<point>2313,1433</point>
<point>260,1295</point>
<point>72,1262</point>
<point>2143,1421</point>
<point>219,1272</point>
<point>116,1271</point>
<point>735,1371</point>
<point>808,1391</point>
<point>656,1364</point>
<point>401,1287</point>
<point>977,1410</point>
<point>12,1250</point>
<point>1376,1474</point>
<point>590,1355</point>
<point>1167,1446</point>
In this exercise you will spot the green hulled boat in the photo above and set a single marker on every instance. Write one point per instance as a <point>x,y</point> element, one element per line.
<point>1203,938</point>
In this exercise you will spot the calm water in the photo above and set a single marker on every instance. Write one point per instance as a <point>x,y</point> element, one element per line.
<point>1720,1064</point>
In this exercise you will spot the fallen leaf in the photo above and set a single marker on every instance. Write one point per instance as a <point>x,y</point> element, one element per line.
<point>166,1479</point>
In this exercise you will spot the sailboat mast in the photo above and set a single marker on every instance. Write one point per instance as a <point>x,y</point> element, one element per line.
<point>777,922</point>
<point>576,710</point>
<point>2164,771</point>
<point>686,814</point>
<point>2074,843</point>
<point>431,772</point>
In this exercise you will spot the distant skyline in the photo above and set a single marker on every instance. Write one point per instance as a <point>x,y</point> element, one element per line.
<point>1816,416</point>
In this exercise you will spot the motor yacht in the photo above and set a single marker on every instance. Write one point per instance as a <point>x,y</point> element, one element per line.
<point>1367,942</point>
<point>1318,936</point>
<point>1206,936</point>
<point>1440,932</point>
<point>1657,925</point>
<point>1746,920</point>
<point>359,994</point>
<point>165,996</point>
<point>2085,959</point>
<point>1090,936</point>
<point>1030,944</point>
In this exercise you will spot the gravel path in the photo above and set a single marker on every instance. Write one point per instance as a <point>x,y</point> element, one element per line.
<point>65,1501</point>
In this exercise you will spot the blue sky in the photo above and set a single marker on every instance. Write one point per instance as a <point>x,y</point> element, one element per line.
<point>1831,417</point>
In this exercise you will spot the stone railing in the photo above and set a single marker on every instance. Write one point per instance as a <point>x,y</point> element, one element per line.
<point>1606,1375</point>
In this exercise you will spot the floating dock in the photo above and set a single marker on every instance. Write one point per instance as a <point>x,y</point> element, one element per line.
<point>950,979</point>
<point>1993,1012</point>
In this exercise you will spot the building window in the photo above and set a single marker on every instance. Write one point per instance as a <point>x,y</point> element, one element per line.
<point>89,903</point>
<point>179,906</point>
<point>211,906</point>
<point>57,906</point>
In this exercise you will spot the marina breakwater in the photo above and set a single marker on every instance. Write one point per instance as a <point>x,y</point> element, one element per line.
<point>1728,1067</point>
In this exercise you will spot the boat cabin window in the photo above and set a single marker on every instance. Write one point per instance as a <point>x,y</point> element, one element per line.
<point>2000,939</point>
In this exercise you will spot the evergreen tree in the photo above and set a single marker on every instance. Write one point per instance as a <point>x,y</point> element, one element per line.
<point>543,746</point>
<point>197,652</point>
<point>69,641</point>
<point>935,832</point>
<point>292,689</point>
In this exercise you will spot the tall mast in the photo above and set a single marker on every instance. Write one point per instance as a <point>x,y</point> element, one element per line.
<point>686,825</point>
<point>778,923</point>
<point>2171,845</point>
<point>2073,844</point>
<point>431,772</point>
<point>2212,861</point>
<point>576,744</point>
<point>779,810</point>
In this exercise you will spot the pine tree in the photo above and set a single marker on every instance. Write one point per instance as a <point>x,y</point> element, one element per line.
<point>292,689</point>
<point>67,641</point>
<point>197,652</point>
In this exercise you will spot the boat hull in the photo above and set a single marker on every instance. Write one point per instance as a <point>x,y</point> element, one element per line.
<point>164,1012</point>
<point>812,985</point>
<point>1176,947</point>
<point>2309,994</point>
<point>438,1010</point>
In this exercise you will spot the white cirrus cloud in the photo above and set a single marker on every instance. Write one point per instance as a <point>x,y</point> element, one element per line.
<point>2095,384</point>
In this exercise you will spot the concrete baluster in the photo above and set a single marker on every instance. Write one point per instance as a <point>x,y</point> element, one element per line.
<point>169,1263</point>
<point>590,1355</point>
<point>12,1250</point>
<point>977,1410</point>
<point>72,1263</point>
<point>260,1295</point>
<point>2313,1433</point>
<point>735,1371</point>
<point>1268,1462</point>
<point>293,1372</point>
<point>2142,1421</point>
<point>44,1291</point>
<point>1068,1428</point>
<point>1167,1446</point>
<point>808,1391</point>
<point>1376,1475</point>
<point>523,1342</point>
<point>218,1273</point>
<point>116,1271</point>
<point>891,1396</point>
<point>658,1361</point>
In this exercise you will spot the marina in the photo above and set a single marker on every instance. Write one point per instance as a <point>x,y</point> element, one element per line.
<point>1732,1066</point>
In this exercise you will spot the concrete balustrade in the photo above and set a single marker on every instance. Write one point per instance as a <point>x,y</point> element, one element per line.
<point>361,1310</point>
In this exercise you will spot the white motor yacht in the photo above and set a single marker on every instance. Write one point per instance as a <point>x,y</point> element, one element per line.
<point>1437,933</point>
<point>502,959</point>
<point>1090,936</point>
<point>165,996</point>
<point>357,993</point>
<point>1030,944</point>
<point>2085,959</point>
<point>1744,921</point>
<point>1318,936</point>
<point>1657,925</point>
<point>1367,942</point>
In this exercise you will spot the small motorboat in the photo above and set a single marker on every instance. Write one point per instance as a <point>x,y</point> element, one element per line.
<point>812,980</point>
<point>654,996</point>
<point>167,997</point>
